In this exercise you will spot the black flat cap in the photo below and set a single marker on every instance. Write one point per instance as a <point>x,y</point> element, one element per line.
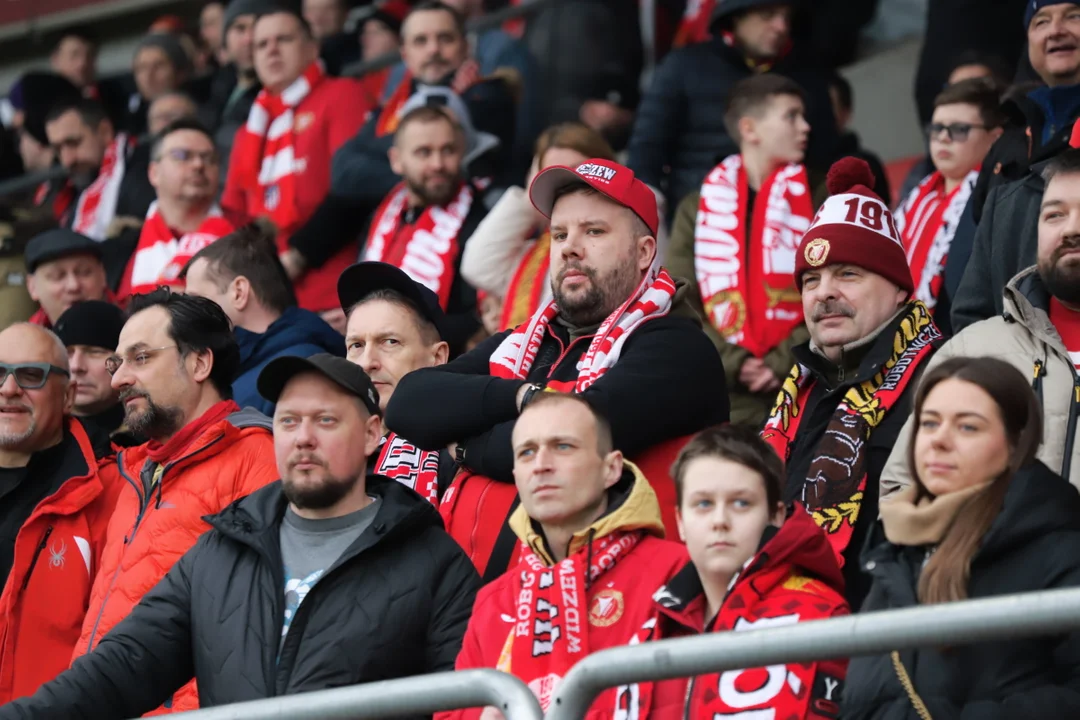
<point>352,378</point>
<point>55,244</point>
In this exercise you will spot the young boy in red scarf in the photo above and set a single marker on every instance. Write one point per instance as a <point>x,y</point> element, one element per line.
<point>738,237</point>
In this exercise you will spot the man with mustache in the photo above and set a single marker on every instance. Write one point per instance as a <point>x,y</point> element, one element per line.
<point>1038,332</point>
<point>840,409</point>
<point>617,332</point>
<point>54,510</point>
<point>326,578</point>
<point>173,368</point>
<point>184,169</point>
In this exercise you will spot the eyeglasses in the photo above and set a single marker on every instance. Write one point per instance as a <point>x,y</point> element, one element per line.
<point>185,156</point>
<point>30,376</point>
<point>135,359</point>
<point>957,132</point>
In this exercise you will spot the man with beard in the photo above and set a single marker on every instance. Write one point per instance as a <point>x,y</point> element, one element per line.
<point>616,332</point>
<point>841,407</point>
<point>423,224</point>
<point>1039,331</point>
<point>184,219</point>
<point>173,368</point>
<point>329,577</point>
<point>53,499</point>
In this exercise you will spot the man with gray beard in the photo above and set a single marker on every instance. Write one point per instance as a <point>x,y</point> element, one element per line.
<point>616,331</point>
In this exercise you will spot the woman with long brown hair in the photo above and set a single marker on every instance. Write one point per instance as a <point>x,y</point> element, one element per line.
<point>983,518</point>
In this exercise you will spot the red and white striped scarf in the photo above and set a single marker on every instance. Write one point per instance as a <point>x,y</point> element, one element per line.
<point>265,148</point>
<point>427,250</point>
<point>414,468</point>
<point>748,288</point>
<point>515,355</point>
<point>96,206</point>
<point>927,222</point>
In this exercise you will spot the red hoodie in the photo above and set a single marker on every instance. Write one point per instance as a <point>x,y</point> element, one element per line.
<point>794,577</point>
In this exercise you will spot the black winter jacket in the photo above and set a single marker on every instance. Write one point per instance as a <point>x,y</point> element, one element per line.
<point>679,133</point>
<point>395,604</point>
<point>1034,544</point>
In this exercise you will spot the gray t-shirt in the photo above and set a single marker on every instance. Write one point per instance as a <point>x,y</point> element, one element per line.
<point>310,547</point>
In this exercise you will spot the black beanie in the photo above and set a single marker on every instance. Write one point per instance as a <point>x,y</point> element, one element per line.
<point>95,323</point>
<point>236,8</point>
<point>36,94</point>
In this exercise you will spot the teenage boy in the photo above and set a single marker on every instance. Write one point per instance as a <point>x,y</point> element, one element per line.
<point>737,238</point>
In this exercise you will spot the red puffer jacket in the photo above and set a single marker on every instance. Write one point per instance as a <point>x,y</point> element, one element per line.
<point>794,577</point>
<point>150,531</point>
<point>57,551</point>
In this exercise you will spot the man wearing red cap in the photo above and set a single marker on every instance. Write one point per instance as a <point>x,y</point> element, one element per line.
<point>841,407</point>
<point>615,332</point>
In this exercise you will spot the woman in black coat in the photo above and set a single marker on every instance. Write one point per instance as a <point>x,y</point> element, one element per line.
<point>983,519</point>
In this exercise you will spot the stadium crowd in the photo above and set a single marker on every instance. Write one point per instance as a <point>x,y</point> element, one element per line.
<point>542,341</point>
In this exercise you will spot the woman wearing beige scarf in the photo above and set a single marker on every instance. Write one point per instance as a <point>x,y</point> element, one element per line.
<point>983,518</point>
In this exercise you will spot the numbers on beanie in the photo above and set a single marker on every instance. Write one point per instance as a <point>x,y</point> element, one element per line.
<point>870,214</point>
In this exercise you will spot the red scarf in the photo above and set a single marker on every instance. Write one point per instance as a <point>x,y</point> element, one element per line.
<point>529,284</point>
<point>179,443</point>
<point>1067,324</point>
<point>694,26</point>
<point>552,630</point>
<point>161,255</point>
<point>265,148</point>
<point>427,249</point>
<point>466,76</point>
<point>927,222</point>
<point>515,355</point>
<point>414,468</point>
<point>96,206</point>
<point>834,485</point>
<point>751,299</point>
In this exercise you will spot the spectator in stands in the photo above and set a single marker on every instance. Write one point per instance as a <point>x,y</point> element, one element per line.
<point>592,514</point>
<point>160,65</point>
<point>55,500</point>
<point>235,85</point>
<point>241,273</point>
<point>169,108</point>
<point>1005,202</point>
<point>63,268</point>
<point>432,200</point>
<point>107,178</point>
<point>679,124</point>
<point>1039,331</point>
<point>737,240</point>
<point>75,57</point>
<point>380,34</point>
<point>174,364</point>
<point>983,519</point>
<point>212,29</point>
<point>753,563</point>
<point>184,219</point>
<point>843,105</point>
<point>604,285</point>
<point>396,326</point>
<point>360,559</point>
<point>841,407</point>
<point>90,331</point>
<point>280,167</point>
<point>31,99</point>
<point>337,48</point>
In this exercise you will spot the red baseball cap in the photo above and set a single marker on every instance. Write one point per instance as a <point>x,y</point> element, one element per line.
<point>608,178</point>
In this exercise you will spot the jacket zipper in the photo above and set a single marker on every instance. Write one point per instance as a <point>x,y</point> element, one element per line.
<point>1070,432</point>
<point>37,553</point>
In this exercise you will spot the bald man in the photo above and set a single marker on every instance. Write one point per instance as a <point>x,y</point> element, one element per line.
<point>54,508</point>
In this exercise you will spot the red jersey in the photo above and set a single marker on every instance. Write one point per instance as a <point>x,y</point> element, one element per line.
<point>1067,323</point>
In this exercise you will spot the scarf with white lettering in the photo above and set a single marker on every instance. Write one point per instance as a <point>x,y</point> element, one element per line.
<point>551,632</point>
<point>427,250</point>
<point>96,206</point>
<point>927,222</point>
<point>161,255</point>
<point>515,355</point>
<point>747,285</point>
<point>265,148</point>
<point>414,468</point>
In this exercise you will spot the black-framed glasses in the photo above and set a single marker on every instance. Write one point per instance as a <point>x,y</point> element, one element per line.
<point>30,376</point>
<point>957,132</point>
<point>134,358</point>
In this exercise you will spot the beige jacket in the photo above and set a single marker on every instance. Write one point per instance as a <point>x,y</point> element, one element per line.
<point>1021,336</point>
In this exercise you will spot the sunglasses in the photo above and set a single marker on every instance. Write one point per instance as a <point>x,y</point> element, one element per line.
<point>30,376</point>
<point>957,132</point>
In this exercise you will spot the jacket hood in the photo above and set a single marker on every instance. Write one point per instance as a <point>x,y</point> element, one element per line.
<point>632,505</point>
<point>1027,301</point>
<point>1037,503</point>
<point>296,326</point>
<point>213,439</point>
<point>680,304</point>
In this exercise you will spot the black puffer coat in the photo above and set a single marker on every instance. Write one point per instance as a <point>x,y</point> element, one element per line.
<point>1034,544</point>
<point>395,604</point>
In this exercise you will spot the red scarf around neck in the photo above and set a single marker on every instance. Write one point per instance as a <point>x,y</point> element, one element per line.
<point>179,443</point>
<point>265,148</point>
<point>96,205</point>
<point>427,250</point>
<point>414,468</point>
<point>750,296</point>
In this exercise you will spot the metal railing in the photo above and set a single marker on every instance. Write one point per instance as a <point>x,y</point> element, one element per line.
<point>420,695</point>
